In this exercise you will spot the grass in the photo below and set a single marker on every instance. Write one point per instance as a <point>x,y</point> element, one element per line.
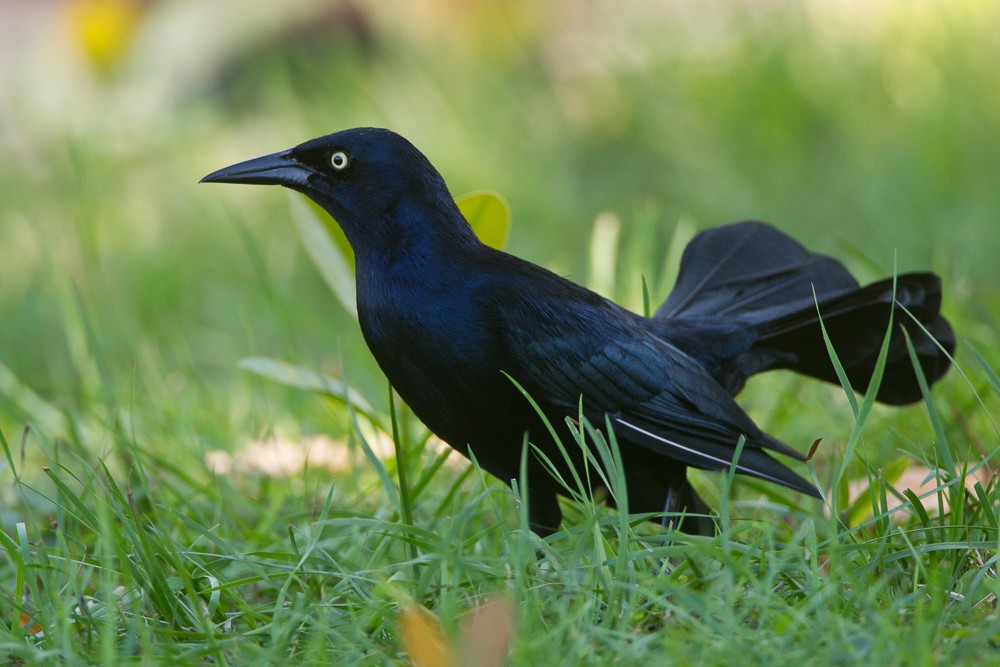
<point>167,562</point>
<point>141,517</point>
<point>130,554</point>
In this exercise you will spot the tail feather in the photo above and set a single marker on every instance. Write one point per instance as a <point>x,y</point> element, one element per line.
<point>856,324</point>
<point>746,267</point>
<point>746,301</point>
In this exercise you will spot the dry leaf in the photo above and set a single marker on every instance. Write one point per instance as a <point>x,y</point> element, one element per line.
<point>423,638</point>
<point>485,636</point>
<point>920,480</point>
<point>487,633</point>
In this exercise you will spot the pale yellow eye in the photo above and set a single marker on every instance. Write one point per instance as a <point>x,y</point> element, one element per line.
<point>339,160</point>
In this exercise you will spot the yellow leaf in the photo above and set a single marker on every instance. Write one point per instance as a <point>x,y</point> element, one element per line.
<point>423,638</point>
<point>489,216</point>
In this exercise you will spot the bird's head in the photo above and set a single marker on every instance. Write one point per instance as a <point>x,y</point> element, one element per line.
<point>375,183</point>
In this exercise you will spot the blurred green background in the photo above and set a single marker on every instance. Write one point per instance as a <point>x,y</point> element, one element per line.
<point>128,293</point>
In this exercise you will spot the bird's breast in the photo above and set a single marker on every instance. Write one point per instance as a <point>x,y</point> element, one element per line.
<point>439,352</point>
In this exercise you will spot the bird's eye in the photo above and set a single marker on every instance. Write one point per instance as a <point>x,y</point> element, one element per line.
<point>339,160</point>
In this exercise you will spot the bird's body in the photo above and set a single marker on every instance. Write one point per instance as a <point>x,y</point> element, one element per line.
<point>454,324</point>
<point>453,350</point>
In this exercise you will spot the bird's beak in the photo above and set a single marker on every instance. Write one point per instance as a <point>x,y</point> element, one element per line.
<point>274,169</point>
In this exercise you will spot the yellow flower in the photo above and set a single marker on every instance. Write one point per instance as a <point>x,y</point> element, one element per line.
<point>103,28</point>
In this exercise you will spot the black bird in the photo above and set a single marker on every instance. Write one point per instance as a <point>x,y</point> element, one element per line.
<point>452,322</point>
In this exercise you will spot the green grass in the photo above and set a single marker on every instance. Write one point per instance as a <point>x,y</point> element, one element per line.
<point>139,522</point>
<point>165,561</point>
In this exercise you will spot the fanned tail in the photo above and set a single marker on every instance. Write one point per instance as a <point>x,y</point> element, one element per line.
<point>746,302</point>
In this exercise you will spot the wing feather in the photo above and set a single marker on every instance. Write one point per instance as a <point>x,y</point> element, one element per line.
<point>658,398</point>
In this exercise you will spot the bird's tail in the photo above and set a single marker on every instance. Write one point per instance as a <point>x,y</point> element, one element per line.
<point>746,301</point>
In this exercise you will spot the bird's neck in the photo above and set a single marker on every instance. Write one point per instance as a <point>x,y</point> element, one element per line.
<point>423,268</point>
<point>431,235</point>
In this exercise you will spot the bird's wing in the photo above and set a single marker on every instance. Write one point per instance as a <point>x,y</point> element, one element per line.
<point>655,395</point>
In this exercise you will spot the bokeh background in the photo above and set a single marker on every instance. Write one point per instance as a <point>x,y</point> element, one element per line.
<point>129,293</point>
